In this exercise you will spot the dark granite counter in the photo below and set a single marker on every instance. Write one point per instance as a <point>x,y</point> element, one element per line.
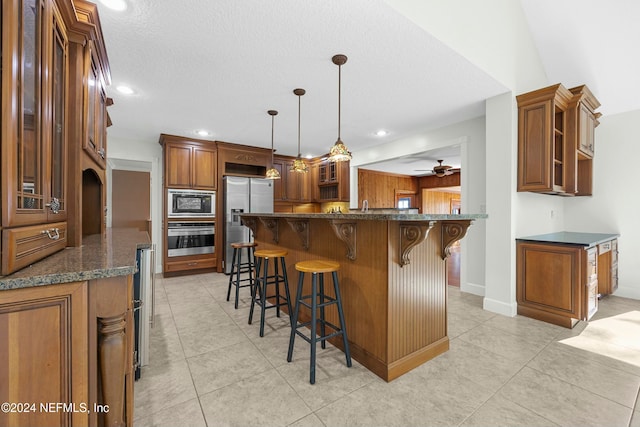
<point>371,215</point>
<point>572,238</point>
<point>100,256</point>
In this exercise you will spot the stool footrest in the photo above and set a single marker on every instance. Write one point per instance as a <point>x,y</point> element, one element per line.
<point>319,338</point>
<point>320,305</point>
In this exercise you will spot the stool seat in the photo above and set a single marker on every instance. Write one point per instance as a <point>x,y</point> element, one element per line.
<point>317,266</point>
<point>270,253</point>
<point>242,245</point>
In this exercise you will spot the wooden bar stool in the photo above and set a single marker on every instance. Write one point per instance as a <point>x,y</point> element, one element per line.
<point>263,279</point>
<point>238,267</point>
<point>318,267</point>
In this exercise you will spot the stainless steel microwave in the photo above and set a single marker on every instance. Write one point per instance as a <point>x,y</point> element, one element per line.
<point>191,203</point>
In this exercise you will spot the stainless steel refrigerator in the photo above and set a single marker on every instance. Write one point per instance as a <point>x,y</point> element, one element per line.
<point>243,195</point>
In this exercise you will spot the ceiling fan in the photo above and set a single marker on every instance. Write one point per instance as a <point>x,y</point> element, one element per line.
<point>441,170</point>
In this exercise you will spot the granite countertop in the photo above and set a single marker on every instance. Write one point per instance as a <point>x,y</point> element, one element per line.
<point>100,256</point>
<point>374,216</point>
<point>572,238</point>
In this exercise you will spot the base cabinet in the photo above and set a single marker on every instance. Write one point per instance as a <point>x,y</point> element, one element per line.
<point>556,283</point>
<point>608,267</point>
<point>66,351</point>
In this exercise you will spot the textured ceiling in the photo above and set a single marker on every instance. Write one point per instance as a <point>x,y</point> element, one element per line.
<point>220,65</point>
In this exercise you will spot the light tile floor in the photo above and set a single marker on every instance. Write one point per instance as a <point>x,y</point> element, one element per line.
<point>210,368</point>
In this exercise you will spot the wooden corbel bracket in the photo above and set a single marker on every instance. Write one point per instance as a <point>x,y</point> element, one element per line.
<point>452,231</point>
<point>411,234</point>
<point>346,231</point>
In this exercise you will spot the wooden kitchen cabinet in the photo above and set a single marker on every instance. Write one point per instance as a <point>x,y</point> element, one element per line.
<point>292,186</point>
<point>333,181</point>
<point>608,267</point>
<point>546,156</point>
<point>70,343</point>
<point>44,356</point>
<point>189,163</point>
<point>95,131</point>
<point>556,139</point>
<point>582,123</point>
<point>556,283</point>
<point>34,138</point>
<point>560,275</point>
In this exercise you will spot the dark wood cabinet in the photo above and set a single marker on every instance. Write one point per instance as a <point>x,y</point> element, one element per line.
<point>70,343</point>
<point>95,132</point>
<point>560,276</point>
<point>608,267</point>
<point>333,181</point>
<point>189,164</point>
<point>292,186</point>
<point>556,139</point>
<point>545,156</point>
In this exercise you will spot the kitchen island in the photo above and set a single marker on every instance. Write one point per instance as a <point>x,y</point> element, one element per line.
<point>392,277</point>
<point>66,334</point>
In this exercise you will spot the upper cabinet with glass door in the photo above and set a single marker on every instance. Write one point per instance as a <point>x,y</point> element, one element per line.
<point>34,134</point>
<point>40,119</point>
<point>95,137</point>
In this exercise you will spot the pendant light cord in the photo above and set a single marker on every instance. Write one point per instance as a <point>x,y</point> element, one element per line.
<point>339,92</point>
<point>272,120</point>
<point>299,125</point>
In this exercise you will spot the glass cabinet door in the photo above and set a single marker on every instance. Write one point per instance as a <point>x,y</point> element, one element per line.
<point>57,203</point>
<point>29,180</point>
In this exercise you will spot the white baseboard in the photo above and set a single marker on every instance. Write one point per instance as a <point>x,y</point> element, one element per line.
<point>500,307</point>
<point>472,288</point>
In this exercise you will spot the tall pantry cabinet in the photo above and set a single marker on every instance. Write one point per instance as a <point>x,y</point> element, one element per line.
<point>45,115</point>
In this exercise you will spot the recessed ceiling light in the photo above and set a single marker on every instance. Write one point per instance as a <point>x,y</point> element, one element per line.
<point>202,132</point>
<point>118,5</point>
<point>382,132</point>
<point>125,90</point>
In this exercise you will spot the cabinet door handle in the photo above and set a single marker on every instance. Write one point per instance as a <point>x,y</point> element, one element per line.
<point>192,263</point>
<point>53,234</point>
<point>54,205</point>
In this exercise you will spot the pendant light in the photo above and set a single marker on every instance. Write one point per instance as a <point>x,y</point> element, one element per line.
<point>339,151</point>
<point>298,164</point>
<point>273,172</point>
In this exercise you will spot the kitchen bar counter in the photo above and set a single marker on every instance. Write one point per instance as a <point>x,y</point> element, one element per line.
<point>100,256</point>
<point>392,277</point>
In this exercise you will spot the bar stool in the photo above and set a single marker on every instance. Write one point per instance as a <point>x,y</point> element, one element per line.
<point>318,267</point>
<point>263,279</point>
<point>238,267</point>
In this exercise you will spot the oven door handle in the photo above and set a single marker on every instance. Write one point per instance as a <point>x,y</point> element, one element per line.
<point>191,231</point>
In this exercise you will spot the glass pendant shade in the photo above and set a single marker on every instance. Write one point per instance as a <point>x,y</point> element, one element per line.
<point>298,164</point>
<point>273,172</point>
<point>339,152</point>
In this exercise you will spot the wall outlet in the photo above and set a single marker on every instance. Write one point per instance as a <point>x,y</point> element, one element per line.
<point>553,214</point>
<point>483,208</point>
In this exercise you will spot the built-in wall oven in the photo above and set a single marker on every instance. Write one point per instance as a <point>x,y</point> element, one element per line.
<point>191,203</point>
<point>190,238</point>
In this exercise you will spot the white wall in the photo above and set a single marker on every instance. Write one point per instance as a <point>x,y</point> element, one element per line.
<point>615,203</point>
<point>470,136</point>
<point>137,155</point>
